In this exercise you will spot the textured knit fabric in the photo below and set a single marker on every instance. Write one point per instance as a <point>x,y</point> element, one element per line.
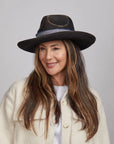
<point>13,132</point>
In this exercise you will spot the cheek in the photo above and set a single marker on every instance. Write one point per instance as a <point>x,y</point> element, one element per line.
<point>62,57</point>
<point>41,57</point>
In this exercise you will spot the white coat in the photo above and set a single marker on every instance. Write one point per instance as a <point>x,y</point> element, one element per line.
<point>12,132</point>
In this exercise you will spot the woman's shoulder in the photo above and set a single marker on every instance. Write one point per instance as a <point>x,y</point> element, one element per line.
<point>15,89</point>
<point>14,95</point>
<point>13,98</point>
<point>94,92</point>
<point>98,100</point>
<point>18,84</point>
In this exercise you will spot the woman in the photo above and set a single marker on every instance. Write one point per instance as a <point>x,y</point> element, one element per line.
<point>54,105</point>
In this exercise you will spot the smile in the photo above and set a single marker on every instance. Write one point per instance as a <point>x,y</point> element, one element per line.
<point>51,65</point>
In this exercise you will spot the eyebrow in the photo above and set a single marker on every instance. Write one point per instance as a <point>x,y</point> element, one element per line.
<point>51,45</point>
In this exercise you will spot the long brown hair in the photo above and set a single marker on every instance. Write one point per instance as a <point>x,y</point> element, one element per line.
<point>39,91</point>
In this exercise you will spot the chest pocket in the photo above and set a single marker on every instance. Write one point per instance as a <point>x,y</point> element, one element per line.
<point>39,124</point>
<point>77,135</point>
<point>76,125</point>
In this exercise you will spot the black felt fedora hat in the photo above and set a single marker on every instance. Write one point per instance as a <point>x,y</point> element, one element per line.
<point>57,27</point>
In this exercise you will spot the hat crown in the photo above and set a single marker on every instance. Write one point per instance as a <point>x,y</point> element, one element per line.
<point>50,22</point>
<point>57,27</point>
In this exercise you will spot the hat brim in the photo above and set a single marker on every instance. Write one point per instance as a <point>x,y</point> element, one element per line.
<point>82,39</point>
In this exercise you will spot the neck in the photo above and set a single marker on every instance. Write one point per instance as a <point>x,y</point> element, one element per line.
<point>58,80</point>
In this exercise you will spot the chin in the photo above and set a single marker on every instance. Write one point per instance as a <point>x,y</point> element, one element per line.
<point>52,74</point>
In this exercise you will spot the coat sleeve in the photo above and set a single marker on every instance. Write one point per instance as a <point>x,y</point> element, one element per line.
<point>6,114</point>
<point>102,135</point>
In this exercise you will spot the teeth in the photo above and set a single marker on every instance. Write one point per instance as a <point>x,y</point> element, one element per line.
<point>51,64</point>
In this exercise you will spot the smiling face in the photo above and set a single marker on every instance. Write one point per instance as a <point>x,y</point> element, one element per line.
<point>53,57</point>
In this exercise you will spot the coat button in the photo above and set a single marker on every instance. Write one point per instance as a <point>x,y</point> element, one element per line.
<point>66,125</point>
<point>64,102</point>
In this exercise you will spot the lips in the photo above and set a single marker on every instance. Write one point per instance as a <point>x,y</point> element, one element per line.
<point>51,65</point>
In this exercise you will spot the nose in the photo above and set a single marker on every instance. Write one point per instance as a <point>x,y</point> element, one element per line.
<point>49,54</point>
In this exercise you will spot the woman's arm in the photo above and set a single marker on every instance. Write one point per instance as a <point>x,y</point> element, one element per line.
<point>6,117</point>
<point>102,136</point>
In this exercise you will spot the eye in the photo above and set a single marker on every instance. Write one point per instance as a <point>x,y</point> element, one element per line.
<point>55,48</point>
<point>42,48</point>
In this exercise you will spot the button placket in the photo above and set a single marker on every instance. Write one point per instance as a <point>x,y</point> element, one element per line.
<point>66,121</point>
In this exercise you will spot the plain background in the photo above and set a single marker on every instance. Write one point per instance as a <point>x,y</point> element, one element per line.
<point>20,19</point>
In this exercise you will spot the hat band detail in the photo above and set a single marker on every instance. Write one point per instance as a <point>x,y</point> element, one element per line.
<point>51,31</point>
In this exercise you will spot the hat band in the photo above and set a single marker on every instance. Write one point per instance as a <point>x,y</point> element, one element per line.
<point>51,31</point>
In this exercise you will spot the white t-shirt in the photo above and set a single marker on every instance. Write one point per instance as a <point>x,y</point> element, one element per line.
<point>59,90</point>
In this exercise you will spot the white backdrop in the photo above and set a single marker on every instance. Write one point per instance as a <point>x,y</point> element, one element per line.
<point>20,19</point>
